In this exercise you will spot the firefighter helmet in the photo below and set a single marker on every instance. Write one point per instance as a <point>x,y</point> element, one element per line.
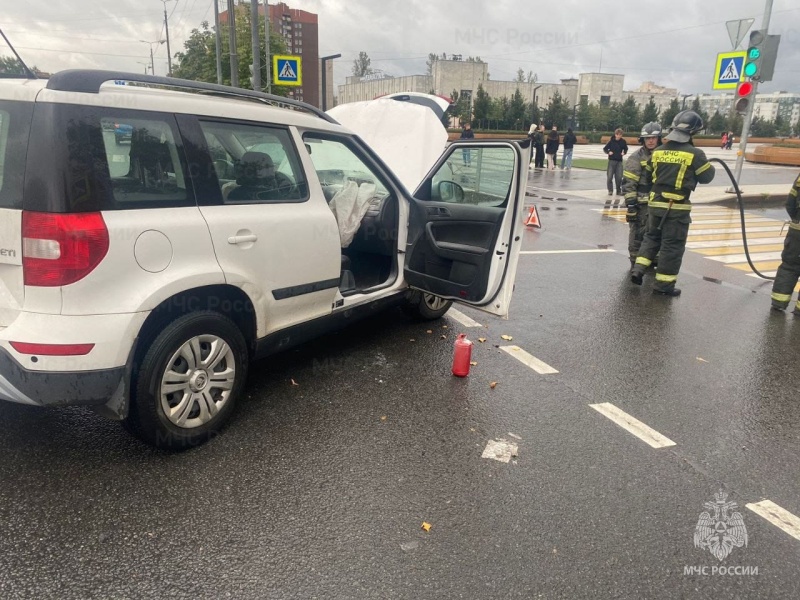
<point>650,130</point>
<point>685,125</point>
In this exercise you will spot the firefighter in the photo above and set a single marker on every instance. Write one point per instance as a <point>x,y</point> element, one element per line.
<point>676,168</point>
<point>636,186</point>
<point>789,270</point>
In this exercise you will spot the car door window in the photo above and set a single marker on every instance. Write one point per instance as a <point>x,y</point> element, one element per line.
<point>337,164</point>
<point>143,161</point>
<point>482,178</point>
<point>254,164</point>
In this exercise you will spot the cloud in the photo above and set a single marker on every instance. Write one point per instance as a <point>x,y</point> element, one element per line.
<point>672,44</point>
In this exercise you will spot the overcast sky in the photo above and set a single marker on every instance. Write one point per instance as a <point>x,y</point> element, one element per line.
<point>672,43</point>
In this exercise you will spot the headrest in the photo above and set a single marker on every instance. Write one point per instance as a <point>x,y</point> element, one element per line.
<point>254,169</point>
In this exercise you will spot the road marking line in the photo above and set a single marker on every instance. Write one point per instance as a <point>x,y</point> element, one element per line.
<point>761,265</point>
<point>457,315</point>
<point>738,249</point>
<point>501,450</point>
<point>733,229</point>
<point>529,360</point>
<point>778,516</point>
<point>632,425</point>
<point>742,258</point>
<point>594,250</point>
<point>735,243</point>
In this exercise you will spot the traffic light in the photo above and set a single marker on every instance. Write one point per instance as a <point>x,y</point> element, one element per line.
<point>744,97</point>
<point>762,53</point>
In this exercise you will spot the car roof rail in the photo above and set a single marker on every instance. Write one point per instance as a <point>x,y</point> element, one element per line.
<point>88,81</point>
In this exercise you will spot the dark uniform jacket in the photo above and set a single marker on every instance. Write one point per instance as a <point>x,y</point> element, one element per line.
<point>792,201</point>
<point>617,147</point>
<point>675,169</point>
<point>636,182</point>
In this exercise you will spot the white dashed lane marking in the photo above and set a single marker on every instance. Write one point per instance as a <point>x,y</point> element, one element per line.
<point>457,315</point>
<point>528,360</point>
<point>778,516</point>
<point>632,425</point>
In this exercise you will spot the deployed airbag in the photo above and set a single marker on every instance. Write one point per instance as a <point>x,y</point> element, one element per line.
<point>349,206</point>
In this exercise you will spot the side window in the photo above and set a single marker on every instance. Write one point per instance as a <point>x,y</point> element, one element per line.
<point>254,163</point>
<point>15,118</point>
<point>337,164</point>
<point>143,162</point>
<point>479,176</point>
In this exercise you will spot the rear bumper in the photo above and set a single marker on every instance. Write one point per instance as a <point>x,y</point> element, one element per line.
<point>58,388</point>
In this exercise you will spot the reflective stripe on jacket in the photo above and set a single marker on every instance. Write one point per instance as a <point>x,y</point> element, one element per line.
<point>676,169</point>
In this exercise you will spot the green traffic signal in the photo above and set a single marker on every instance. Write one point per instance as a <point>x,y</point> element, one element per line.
<point>754,53</point>
<point>750,69</point>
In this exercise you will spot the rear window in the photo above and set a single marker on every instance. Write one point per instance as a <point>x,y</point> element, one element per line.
<point>15,119</point>
<point>96,158</point>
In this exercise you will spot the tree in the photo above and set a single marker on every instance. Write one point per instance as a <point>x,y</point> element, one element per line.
<point>520,76</point>
<point>650,112</point>
<point>557,112</point>
<point>696,108</point>
<point>517,113</point>
<point>716,124</point>
<point>583,115</point>
<point>614,116</point>
<point>432,59</point>
<point>629,117</point>
<point>482,105</point>
<point>198,61</point>
<point>11,66</point>
<point>762,128</point>
<point>532,77</point>
<point>361,65</point>
<point>669,113</point>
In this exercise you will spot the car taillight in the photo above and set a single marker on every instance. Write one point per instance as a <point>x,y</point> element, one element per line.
<point>60,249</point>
<point>52,349</point>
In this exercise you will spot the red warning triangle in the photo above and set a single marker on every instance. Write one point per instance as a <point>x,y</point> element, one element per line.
<point>533,218</point>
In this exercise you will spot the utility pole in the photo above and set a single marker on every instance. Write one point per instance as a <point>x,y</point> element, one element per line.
<point>166,28</point>
<point>748,119</point>
<point>268,63</point>
<point>152,62</point>
<point>256,81</point>
<point>324,62</point>
<point>234,57</point>
<point>218,42</point>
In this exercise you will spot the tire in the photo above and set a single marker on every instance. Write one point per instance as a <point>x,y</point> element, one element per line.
<point>196,363</point>
<point>425,307</point>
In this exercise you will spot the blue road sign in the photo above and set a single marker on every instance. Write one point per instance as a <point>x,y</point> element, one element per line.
<point>729,71</point>
<point>287,70</point>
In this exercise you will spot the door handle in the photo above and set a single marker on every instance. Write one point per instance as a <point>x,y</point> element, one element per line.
<point>242,239</point>
<point>438,211</point>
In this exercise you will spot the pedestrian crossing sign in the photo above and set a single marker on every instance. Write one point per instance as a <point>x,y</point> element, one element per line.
<point>287,70</point>
<point>730,70</point>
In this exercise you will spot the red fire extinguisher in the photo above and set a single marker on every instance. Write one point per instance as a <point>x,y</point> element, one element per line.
<point>462,354</point>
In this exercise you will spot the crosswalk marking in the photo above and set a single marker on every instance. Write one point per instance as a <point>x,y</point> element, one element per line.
<point>716,234</point>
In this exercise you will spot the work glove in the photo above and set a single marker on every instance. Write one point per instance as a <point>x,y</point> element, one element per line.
<point>633,212</point>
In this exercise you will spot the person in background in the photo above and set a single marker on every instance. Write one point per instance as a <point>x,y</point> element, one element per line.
<point>616,149</point>
<point>467,134</point>
<point>552,148</point>
<point>538,144</point>
<point>789,269</point>
<point>724,140</point>
<point>729,145</point>
<point>569,144</point>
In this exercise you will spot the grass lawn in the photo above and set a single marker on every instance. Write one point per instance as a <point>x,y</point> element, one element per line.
<point>597,164</point>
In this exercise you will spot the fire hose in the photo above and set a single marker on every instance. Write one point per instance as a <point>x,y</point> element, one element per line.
<point>741,215</point>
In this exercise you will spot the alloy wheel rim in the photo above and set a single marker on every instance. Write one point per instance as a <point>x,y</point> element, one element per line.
<point>434,302</point>
<point>198,381</point>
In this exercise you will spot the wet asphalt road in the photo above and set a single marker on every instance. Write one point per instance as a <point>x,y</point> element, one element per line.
<point>319,490</point>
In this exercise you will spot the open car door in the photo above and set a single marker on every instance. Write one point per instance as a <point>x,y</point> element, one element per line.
<point>465,224</point>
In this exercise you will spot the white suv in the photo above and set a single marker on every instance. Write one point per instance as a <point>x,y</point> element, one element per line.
<point>141,277</point>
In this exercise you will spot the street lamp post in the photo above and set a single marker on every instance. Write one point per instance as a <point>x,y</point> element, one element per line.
<point>152,62</point>
<point>685,96</point>
<point>323,60</point>
<point>533,105</point>
<point>166,29</point>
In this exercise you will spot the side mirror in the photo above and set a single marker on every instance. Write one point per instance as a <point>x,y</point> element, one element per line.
<point>450,191</point>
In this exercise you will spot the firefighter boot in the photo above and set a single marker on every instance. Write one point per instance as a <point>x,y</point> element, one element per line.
<point>672,292</point>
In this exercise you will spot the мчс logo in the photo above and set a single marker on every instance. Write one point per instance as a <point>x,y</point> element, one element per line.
<point>720,528</point>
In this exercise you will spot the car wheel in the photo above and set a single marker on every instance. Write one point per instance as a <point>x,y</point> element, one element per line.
<point>188,381</point>
<point>426,307</point>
